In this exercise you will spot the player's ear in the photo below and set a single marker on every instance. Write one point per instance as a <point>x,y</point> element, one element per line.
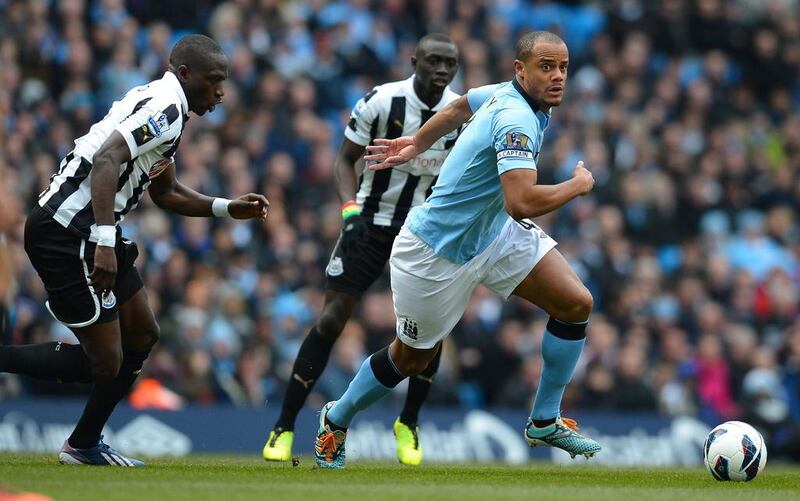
<point>414,62</point>
<point>519,68</point>
<point>183,73</point>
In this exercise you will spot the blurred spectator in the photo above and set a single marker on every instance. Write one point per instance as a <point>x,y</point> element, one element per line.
<point>685,111</point>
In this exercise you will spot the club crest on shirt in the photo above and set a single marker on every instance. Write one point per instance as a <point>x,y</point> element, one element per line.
<point>335,267</point>
<point>410,329</point>
<point>109,300</point>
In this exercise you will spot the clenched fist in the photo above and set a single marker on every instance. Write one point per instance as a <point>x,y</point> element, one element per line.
<point>584,178</point>
<point>249,206</point>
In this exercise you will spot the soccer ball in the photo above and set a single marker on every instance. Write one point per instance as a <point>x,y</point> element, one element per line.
<point>735,451</point>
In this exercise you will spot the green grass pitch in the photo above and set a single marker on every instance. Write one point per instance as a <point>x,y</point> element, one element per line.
<point>232,478</point>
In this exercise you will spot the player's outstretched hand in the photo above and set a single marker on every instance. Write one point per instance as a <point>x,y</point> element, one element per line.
<point>104,272</point>
<point>249,206</point>
<point>584,178</point>
<point>390,153</point>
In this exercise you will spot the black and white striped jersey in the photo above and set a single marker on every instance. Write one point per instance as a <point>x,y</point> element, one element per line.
<point>392,110</point>
<point>151,119</point>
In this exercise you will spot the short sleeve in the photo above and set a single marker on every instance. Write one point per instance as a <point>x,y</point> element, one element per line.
<point>152,125</point>
<point>477,96</point>
<point>366,111</point>
<point>516,139</point>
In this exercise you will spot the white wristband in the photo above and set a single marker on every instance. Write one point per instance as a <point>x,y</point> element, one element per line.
<point>106,235</point>
<point>219,207</point>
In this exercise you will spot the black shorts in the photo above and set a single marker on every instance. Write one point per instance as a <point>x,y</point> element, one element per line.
<point>64,260</point>
<point>354,273</point>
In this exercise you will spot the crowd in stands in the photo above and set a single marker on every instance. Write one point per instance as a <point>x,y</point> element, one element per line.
<point>687,112</point>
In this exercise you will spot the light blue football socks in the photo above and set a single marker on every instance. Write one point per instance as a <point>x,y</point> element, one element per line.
<point>561,348</point>
<point>374,380</point>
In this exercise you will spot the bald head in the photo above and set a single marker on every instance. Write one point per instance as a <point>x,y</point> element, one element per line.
<point>529,40</point>
<point>193,51</point>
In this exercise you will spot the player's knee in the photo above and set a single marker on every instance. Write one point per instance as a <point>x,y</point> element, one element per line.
<point>583,305</point>
<point>330,325</point>
<point>150,336</point>
<point>107,367</point>
<point>143,338</point>
<point>579,307</point>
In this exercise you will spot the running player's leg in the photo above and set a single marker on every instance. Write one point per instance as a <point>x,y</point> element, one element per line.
<point>102,344</point>
<point>126,328</point>
<point>429,294</point>
<point>378,375</point>
<point>53,361</point>
<point>139,332</point>
<point>376,378</point>
<point>554,286</point>
<point>525,263</point>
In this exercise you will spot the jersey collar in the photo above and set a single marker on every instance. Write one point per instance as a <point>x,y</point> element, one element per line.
<point>172,81</point>
<point>541,115</point>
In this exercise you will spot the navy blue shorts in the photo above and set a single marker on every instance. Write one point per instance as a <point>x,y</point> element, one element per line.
<point>354,272</point>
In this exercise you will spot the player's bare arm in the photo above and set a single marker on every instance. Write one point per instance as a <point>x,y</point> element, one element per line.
<point>105,176</point>
<point>170,194</point>
<point>524,198</point>
<point>393,152</point>
<point>345,169</point>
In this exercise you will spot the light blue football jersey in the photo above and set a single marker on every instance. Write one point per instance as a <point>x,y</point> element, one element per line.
<point>465,211</point>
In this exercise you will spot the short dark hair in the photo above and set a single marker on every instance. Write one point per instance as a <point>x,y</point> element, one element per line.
<point>193,48</point>
<point>529,40</point>
<point>432,37</point>
<point>435,37</point>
